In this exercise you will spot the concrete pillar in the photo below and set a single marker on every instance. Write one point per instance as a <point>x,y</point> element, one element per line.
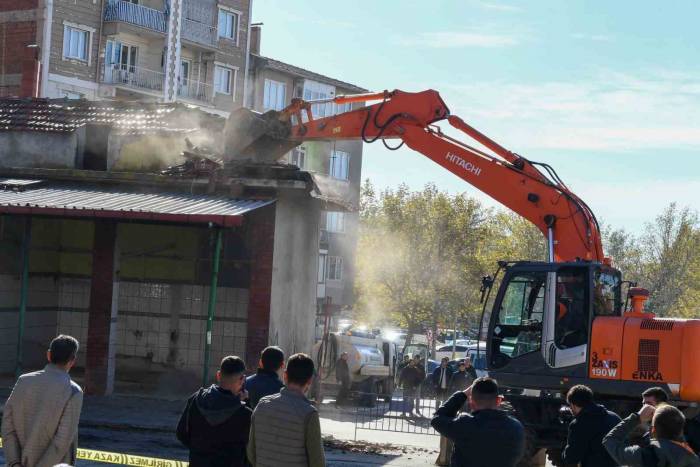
<point>261,240</point>
<point>172,53</point>
<point>102,322</point>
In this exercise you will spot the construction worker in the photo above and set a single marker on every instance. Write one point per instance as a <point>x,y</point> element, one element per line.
<point>667,447</point>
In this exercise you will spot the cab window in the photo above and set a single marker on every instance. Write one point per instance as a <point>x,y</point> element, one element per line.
<point>518,329</point>
<point>607,299</point>
<point>571,320</point>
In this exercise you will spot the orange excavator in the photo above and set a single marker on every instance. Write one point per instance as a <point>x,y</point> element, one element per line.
<point>551,324</point>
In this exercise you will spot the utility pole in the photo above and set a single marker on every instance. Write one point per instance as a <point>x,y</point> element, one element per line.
<point>454,333</point>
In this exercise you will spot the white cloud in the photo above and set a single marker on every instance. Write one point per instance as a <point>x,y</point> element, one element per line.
<point>609,111</point>
<point>502,7</point>
<point>457,39</point>
<point>593,37</point>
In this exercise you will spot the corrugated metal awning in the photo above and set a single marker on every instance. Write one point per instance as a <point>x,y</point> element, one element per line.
<point>80,201</point>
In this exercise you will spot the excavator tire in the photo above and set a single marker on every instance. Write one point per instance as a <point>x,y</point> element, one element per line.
<point>533,456</point>
<point>554,456</point>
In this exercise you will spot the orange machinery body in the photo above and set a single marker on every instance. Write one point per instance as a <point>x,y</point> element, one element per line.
<point>644,349</point>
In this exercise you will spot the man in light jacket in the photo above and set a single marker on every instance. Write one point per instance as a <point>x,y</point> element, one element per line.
<point>285,430</point>
<point>40,419</point>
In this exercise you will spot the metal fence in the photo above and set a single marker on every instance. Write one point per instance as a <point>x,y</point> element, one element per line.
<point>397,414</point>
<point>134,76</point>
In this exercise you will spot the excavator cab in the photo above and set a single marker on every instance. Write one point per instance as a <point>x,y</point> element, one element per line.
<point>541,320</point>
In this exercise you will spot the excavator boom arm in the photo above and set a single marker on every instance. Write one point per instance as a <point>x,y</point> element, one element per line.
<point>512,180</point>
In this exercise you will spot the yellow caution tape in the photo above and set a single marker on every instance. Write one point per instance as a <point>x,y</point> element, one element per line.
<point>125,459</point>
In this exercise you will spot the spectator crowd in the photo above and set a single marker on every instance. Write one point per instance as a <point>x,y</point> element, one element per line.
<point>266,419</point>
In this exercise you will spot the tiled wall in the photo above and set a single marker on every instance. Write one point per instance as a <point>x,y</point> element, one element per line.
<point>160,326</point>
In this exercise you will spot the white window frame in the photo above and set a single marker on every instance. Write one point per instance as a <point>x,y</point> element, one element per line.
<point>280,95</point>
<point>88,31</point>
<point>321,276</point>
<point>301,151</point>
<point>335,221</point>
<point>315,90</point>
<point>338,269</point>
<point>234,78</point>
<point>339,173</point>
<point>235,13</point>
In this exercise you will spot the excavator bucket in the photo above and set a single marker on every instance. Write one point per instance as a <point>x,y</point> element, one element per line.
<point>254,137</point>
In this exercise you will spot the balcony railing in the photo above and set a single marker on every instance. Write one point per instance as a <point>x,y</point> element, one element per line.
<point>134,77</point>
<point>136,14</point>
<point>195,90</point>
<point>200,33</point>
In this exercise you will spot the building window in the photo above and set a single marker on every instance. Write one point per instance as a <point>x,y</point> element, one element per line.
<point>223,80</point>
<point>298,157</point>
<point>274,95</point>
<point>76,43</point>
<point>335,221</point>
<point>334,268</point>
<point>70,94</point>
<point>313,90</point>
<point>228,25</point>
<point>341,108</point>
<point>340,163</point>
<point>322,268</point>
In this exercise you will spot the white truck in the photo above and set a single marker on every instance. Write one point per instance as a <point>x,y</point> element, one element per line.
<point>372,361</point>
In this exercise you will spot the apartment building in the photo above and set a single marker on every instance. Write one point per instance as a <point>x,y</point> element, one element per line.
<point>192,51</point>
<point>273,84</point>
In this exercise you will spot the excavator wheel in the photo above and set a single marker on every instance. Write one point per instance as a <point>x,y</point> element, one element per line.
<point>534,457</point>
<point>554,456</point>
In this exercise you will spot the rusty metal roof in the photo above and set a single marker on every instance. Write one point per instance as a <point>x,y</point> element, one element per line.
<point>81,201</point>
<point>66,115</point>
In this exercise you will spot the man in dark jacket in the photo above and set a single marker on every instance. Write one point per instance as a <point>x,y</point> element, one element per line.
<point>342,376</point>
<point>216,422</point>
<point>487,437</point>
<point>267,380</point>
<point>591,422</point>
<point>667,447</point>
<point>464,376</point>
<point>410,380</point>
<point>442,381</point>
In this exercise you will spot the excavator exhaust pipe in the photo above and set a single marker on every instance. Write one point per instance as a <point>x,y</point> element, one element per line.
<point>250,136</point>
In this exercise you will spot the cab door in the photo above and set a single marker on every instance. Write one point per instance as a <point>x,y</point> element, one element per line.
<point>567,322</point>
<point>515,329</point>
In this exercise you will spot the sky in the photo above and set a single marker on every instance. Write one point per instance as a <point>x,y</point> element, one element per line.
<point>608,93</point>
